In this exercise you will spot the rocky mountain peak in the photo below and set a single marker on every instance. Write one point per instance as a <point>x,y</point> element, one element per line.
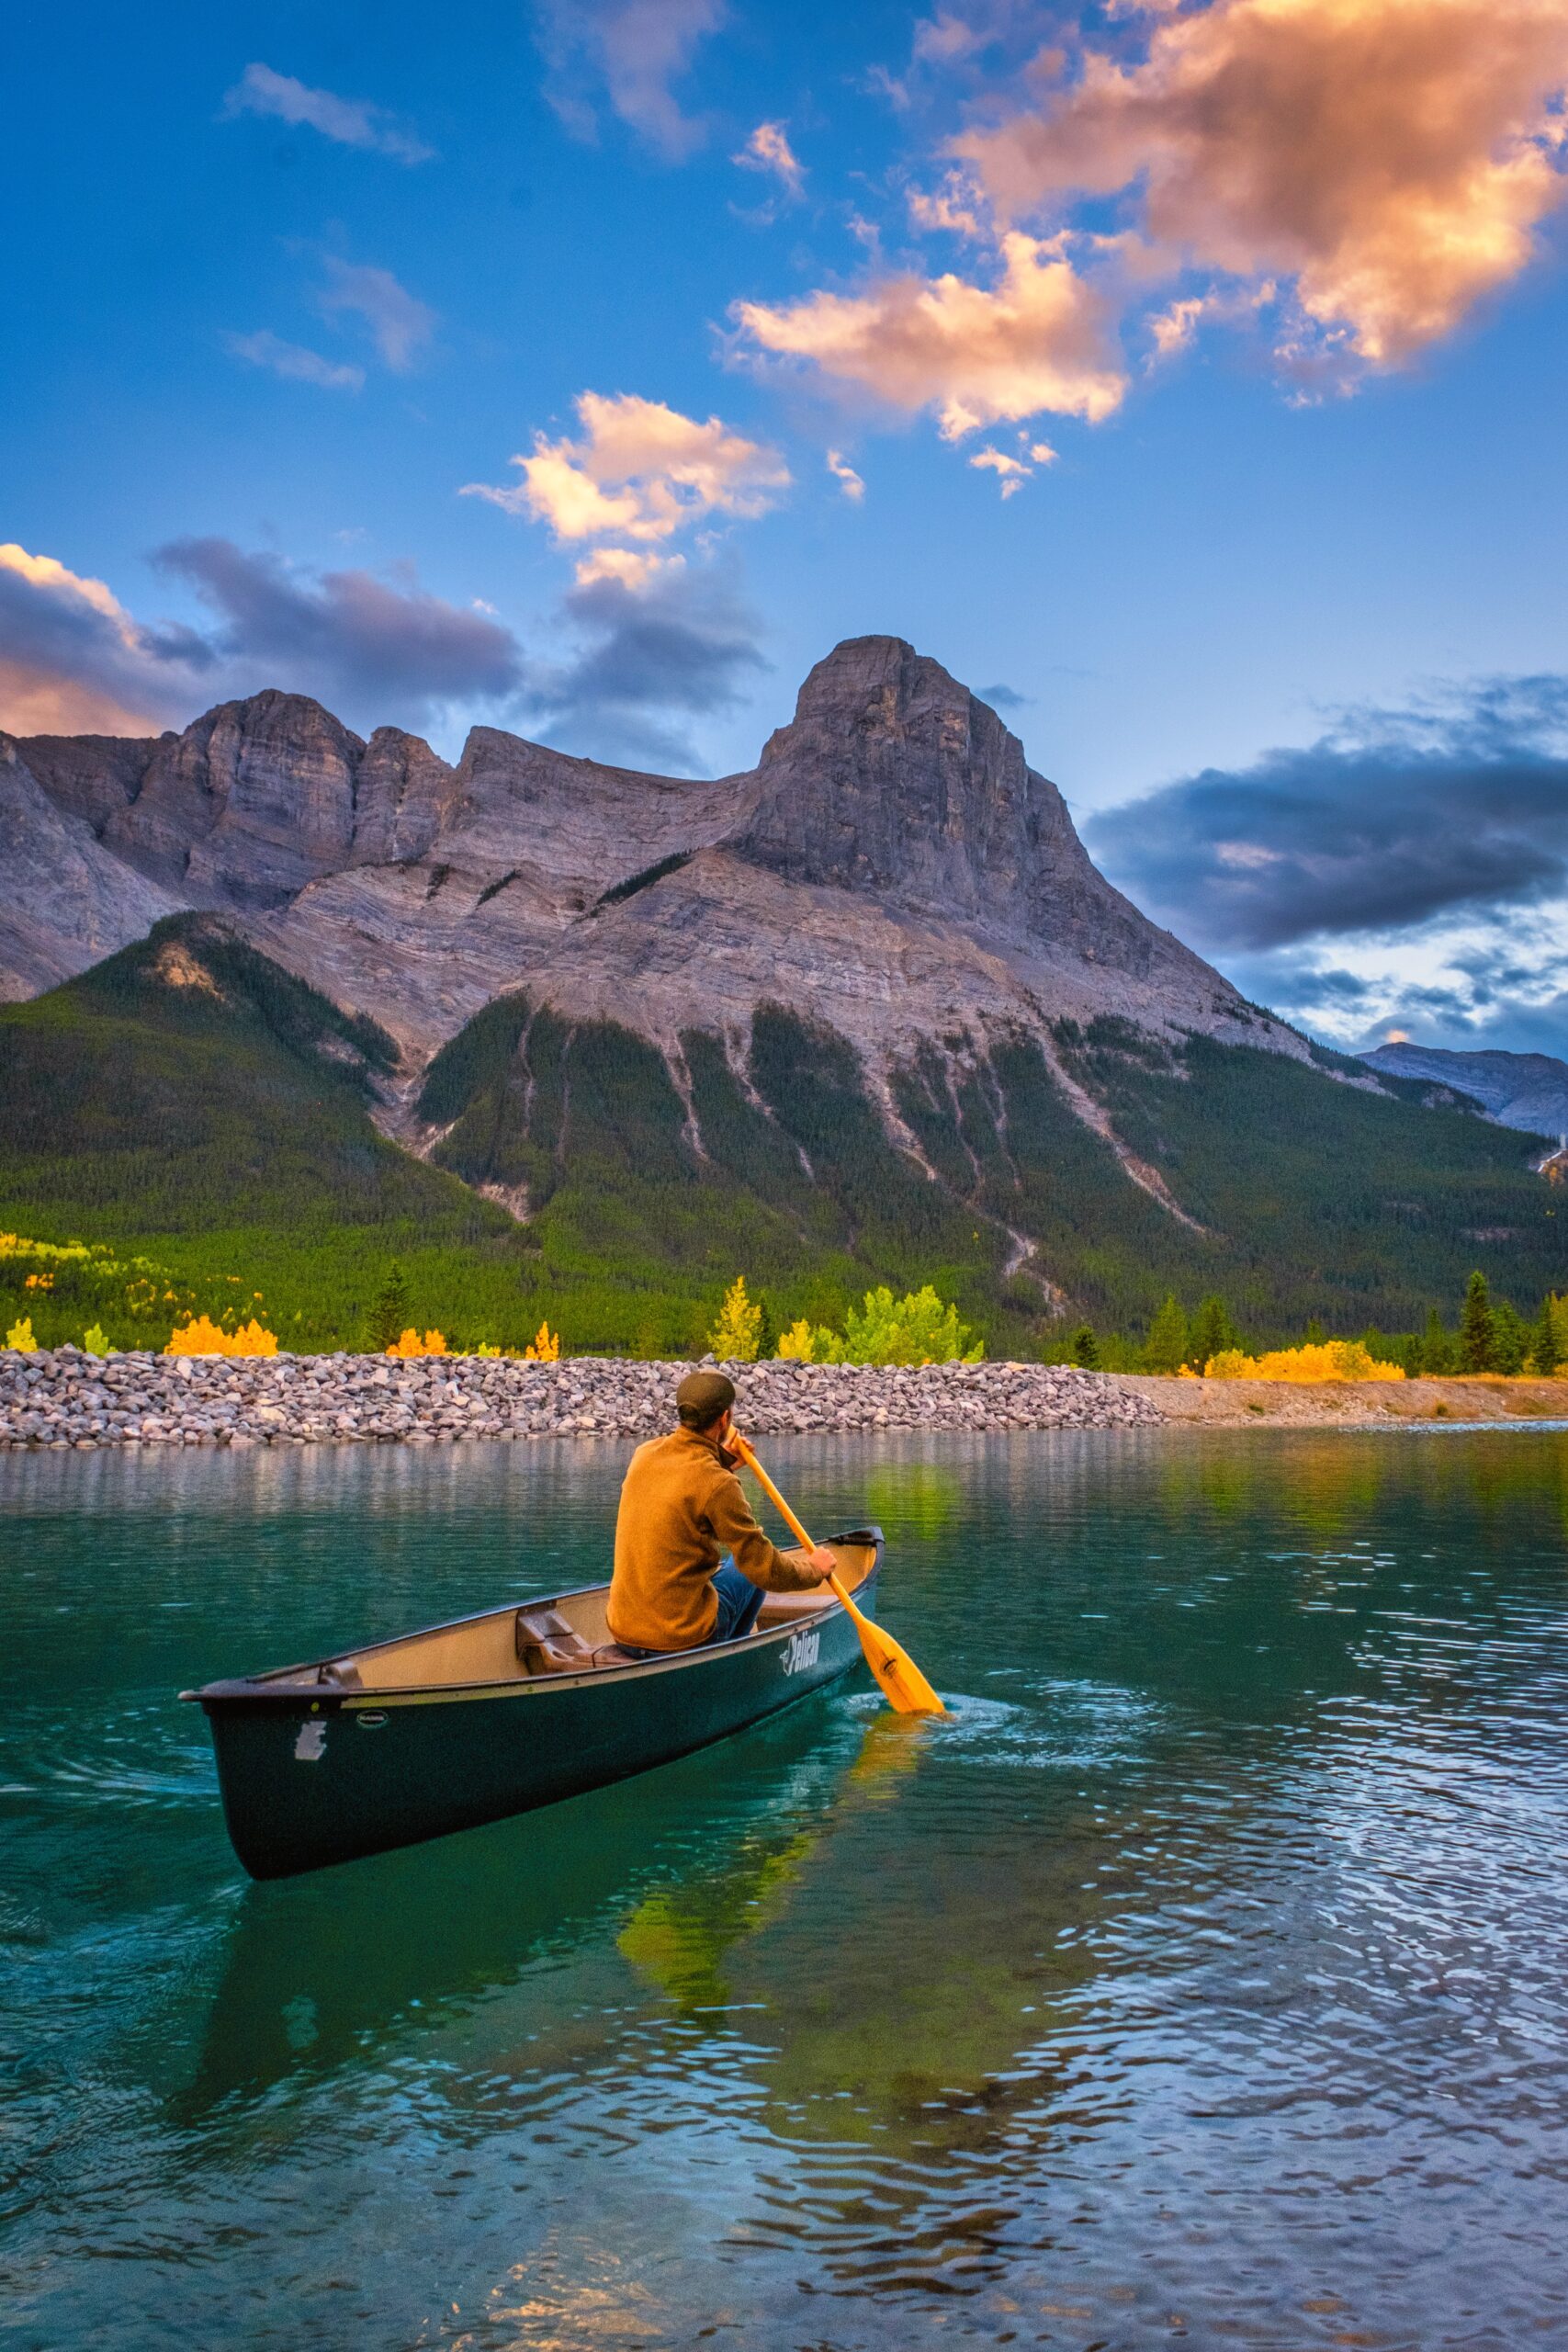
<point>893,777</point>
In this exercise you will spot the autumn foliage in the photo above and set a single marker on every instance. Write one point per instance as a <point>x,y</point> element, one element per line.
<point>1327,1360</point>
<point>410,1344</point>
<point>202,1336</point>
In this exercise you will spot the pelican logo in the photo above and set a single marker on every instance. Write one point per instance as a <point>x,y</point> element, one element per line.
<point>801,1651</point>
<point>311,1742</point>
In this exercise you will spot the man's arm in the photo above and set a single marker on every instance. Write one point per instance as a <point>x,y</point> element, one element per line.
<point>730,1517</point>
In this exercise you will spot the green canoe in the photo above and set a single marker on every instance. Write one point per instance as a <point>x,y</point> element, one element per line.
<point>494,1714</point>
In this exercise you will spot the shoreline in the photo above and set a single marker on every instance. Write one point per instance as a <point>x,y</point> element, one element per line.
<point>1456,1399</point>
<point>62,1399</point>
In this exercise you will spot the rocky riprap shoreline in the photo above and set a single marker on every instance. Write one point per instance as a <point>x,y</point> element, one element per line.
<point>61,1399</point>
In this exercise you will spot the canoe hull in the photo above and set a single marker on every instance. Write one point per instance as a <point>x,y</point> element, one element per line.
<point>310,1778</point>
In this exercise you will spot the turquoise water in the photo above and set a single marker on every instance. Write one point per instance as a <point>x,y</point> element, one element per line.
<point>1200,1978</point>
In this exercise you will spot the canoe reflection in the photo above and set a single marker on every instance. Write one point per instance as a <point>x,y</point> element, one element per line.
<point>320,1970</point>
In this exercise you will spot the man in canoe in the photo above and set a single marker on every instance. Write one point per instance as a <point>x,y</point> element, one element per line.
<point>691,1565</point>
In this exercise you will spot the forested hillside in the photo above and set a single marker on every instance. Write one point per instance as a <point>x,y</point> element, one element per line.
<point>190,1101</point>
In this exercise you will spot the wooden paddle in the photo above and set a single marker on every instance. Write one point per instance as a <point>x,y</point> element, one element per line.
<point>903,1684</point>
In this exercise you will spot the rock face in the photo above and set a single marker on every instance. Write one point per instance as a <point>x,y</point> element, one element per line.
<point>893,867</point>
<point>67,901</point>
<point>1529,1090</point>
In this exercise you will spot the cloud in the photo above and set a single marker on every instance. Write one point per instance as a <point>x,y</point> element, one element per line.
<point>1011,471</point>
<point>1392,158</point>
<point>680,645</point>
<point>401,324</point>
<point>75,661</point>
<point>633,567</point>
<point>375,650</point>
<point>1393,821</point>
<point>638,48</point>
<point>639,470</point>
<point>353,123</point>
<point>768,150</point>
<point>957,208</point>
<point>1037,340</point>
<point>1001,698</point>
<point>294,361</point>
<point>844,474</point>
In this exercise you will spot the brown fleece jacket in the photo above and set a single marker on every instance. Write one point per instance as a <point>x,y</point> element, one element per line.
<point>681,1508</point>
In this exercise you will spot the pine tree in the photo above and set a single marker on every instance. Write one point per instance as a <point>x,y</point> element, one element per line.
<point>391,1315</point>
<point>1315,1336</point>
<point>1545,1355</point>
<point>1083,1348</point>
<point>1211,1332</point>
<point>1477,1346</point>
<point>1437,1348</point>
<point>767,1329</point>
<point>1165,1349</point>
<point>1510,1339</point>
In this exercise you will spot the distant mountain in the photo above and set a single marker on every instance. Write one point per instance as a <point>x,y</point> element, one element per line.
<point>1529,1090</point>
<point>865,1013</point>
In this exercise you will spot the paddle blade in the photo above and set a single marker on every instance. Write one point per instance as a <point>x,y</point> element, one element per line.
<point>902,1683</point>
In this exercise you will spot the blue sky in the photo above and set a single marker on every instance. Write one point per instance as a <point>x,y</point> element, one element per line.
<point>1253,316</point>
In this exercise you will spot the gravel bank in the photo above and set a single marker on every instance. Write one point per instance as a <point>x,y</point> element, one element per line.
<point>61,1397</point>
<point>1352,1404</point>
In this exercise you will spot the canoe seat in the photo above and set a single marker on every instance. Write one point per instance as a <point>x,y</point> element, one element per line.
<point>548,1644</point>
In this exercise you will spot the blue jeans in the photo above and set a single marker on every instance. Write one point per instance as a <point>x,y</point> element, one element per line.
<point>740,1602</point>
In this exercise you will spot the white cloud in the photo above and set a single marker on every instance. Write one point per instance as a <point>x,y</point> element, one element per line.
<point>638,48</point>
<point>294,361</point>
<point>639,470</point>
<point>353,123</point>
<point>1037,340</point>
<point>401,324</point>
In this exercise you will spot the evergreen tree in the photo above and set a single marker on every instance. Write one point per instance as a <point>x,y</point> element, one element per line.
<point>1083,1348</point>
<point>1477,1345</point>
<point>1165,1349</point>
<point>1437,1348</point>
<point>1315,1336</point>
<point>391,1314</point>
<point>767,1329</point>
<point>1545,1355</point>
<point>1510,1339</point>
<point>1212,1331</point>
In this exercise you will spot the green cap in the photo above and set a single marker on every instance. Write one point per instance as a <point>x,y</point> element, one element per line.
<point>703,1397</point>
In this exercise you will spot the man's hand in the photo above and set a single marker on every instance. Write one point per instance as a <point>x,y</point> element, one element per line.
<point>824,1561</point>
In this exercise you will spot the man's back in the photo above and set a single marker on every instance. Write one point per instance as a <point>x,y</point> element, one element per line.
<point>683,1508</point>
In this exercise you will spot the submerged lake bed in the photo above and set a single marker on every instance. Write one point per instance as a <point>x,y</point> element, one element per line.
<point>1198,1977</point>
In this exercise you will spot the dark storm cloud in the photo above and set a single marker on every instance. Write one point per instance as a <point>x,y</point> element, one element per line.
<point>376,651</point>
<point>1392,820</point>
<point>684,648</point>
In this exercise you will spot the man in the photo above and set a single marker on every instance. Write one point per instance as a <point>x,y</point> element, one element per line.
<point>691,1565</point>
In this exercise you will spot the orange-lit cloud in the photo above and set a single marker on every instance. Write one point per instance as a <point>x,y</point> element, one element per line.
<point>633,568</point>
<point>768,150</point>
<point>844,474</point>
<point>1392,158</point>
<point>57,614</point>
<point>639,470</point>
<point>1038,339</point>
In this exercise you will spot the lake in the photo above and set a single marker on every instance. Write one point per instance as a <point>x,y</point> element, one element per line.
<point>1200,1978</point>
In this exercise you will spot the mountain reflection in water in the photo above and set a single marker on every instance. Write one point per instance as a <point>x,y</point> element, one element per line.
<point>1197,1976</point>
